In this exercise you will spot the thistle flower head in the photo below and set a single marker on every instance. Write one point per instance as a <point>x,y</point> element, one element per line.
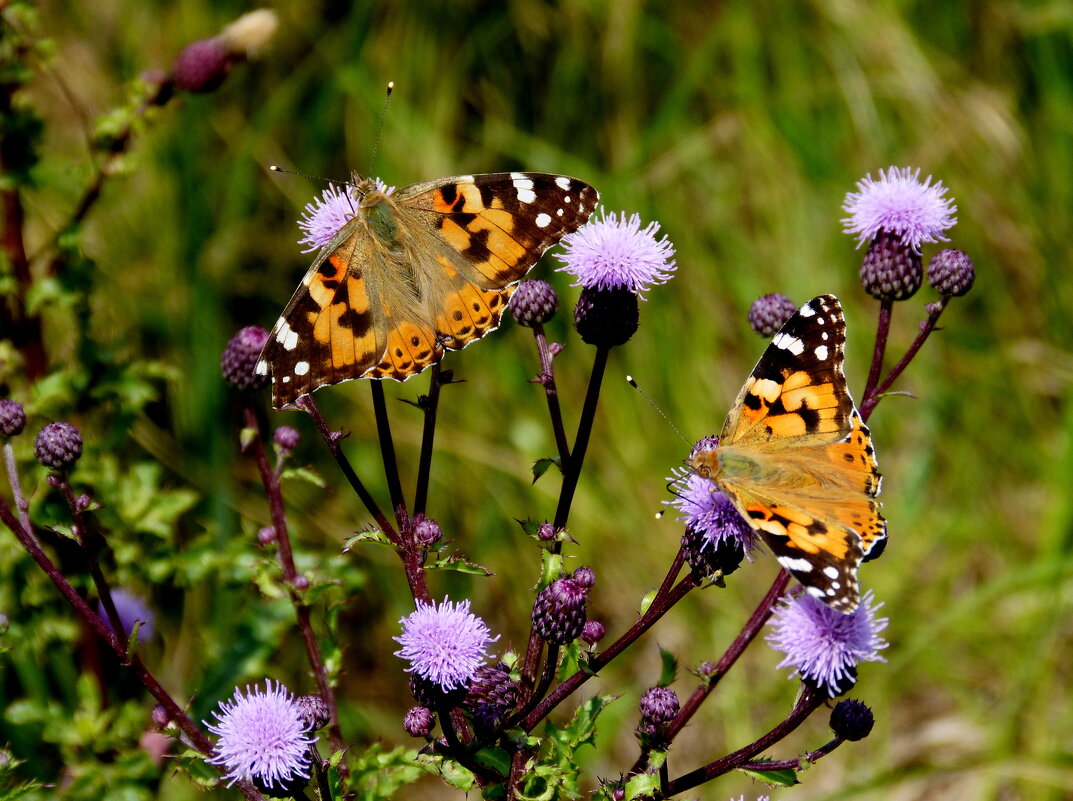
<point>769,313</point>
<point>899,204</point>
<point>239,358</point>
<point>12,418</point>
<point>616,253</point>
<point>708,511</point>
<point>444,644</point>
<point>821,644</point>
<point>58,445</point>
<point>325,215</point>
<point>262,737</point>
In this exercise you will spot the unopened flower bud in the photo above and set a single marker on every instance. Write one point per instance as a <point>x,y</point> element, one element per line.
<point>492,696</point>
<point>427,532</point>
<point>585,577</point>
<point>851,720</point>
<point>546,532</point>
<point>769,313</point>
<point>418,721</point>
<point>266,535</point>
<point>313,711</point>
<point>951,272</point>
<point>240,356</point>
<point>533,303</point>
<point>12,418</point>
<point>559,612</point>
<point>286,438</point>
<point>592,632</point>
<point>58,445</point>
<point>202,66</point>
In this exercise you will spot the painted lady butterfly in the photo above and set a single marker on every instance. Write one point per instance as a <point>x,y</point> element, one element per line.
<point>797,460</point>
<point>414,273</point>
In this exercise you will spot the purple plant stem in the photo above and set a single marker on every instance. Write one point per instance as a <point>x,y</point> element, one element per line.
<point>748,633</point>
<point>303,612</point>
<point>806,705</point>
<point>331,439</point>
<point>428,436</point>
<point>794,764</point>
<point>387,450</point>
<point>886,308</point>
<point>871,400</point>
<point>547,379</point>
<point>89,551</point>
<point>22,506</point>
<point>664,599</point>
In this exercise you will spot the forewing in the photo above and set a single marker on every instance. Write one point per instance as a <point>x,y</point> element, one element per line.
<point>796,394</point>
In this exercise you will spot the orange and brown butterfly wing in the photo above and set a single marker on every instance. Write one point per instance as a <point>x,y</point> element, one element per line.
<point>798,461</point>
<point>385,300</point>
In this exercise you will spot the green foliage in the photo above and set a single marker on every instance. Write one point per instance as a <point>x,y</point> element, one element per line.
<point>377,773</point>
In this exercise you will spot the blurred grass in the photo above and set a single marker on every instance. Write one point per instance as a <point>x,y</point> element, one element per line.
<point>739,126</point>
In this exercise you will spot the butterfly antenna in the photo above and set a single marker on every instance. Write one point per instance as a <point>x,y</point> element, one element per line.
<point>285,171</point>
<point>380,127</point>
<point>633,383</point>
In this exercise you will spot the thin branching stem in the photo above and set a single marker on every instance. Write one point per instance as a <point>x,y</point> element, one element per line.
<point>22,506</point>
<point>547,380</point>
<point>429,405</point>
<point>572,468</point>
<point>303,611</point>
<point>805,706</point>
<point>387,451</point>
<point>795,764</point>
<point>886,308</point>
<point>331,439</point>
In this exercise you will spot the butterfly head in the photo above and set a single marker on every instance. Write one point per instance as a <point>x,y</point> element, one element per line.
<point>704,457</point>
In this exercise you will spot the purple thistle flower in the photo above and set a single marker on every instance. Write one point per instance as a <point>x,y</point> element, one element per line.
<point>262,737</point>
<point>821,643</point>
<point>899,204</point>
<point>324,216</point>
<point>131,608</point>
<point>614,253</point>
<point>444,644</point>
<point>707,510</point>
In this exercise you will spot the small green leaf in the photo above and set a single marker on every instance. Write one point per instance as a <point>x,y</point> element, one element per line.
<point>457,776</point>
<point>647,600</point>
<point>540,467</point>
<point>669,668</point>
<point>458,565</point>
<point>642,785</point>
<point>374,536</point>
<point>304,474</point>
<point>246,436</point>
<point>551,567</point>
<point>495,758</point>
<point>786,777</point>
<point>571,661</point>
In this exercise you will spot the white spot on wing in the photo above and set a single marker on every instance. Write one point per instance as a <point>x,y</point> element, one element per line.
<point>806,311</point>
<point>524,187</point>
<point>542,220</point>
<point>301,368</point>
<point>562,182</point>
<point>784,341</point>
<point>815,592</point>
<point>796,565</point>
<point>566,199</point>
<point>465,179</point>
<point>291,342</point>
<point>261,368</point>
<point>831,572</point>
<point>286,379</point>
<point>821,352</point>
<point>519,176</point>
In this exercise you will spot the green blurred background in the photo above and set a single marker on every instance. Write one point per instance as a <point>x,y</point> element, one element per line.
<point>739,126</point>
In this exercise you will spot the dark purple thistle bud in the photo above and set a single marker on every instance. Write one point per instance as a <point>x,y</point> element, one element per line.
<point>300,582</point>
<point>951,272</point>
<point>313,711</point>
<point>851,720</point>
<point>492,697</point>
<point>240,357</point>
<point>12,418</point>
<point>418,721</point>
<point>606,317</point>
<point>585,577</point>
<point>546,532</point>
<point>266,535</point>
<point>559,611</point>
<point>890,269</point>
<point>58,445</point>
<point>533,303</point>
<point>286,438</point>
<point>202,66</point>
<point>592,632</point>
<point>658,706</point>
<point>769,313</point>
<point>427,532</point>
